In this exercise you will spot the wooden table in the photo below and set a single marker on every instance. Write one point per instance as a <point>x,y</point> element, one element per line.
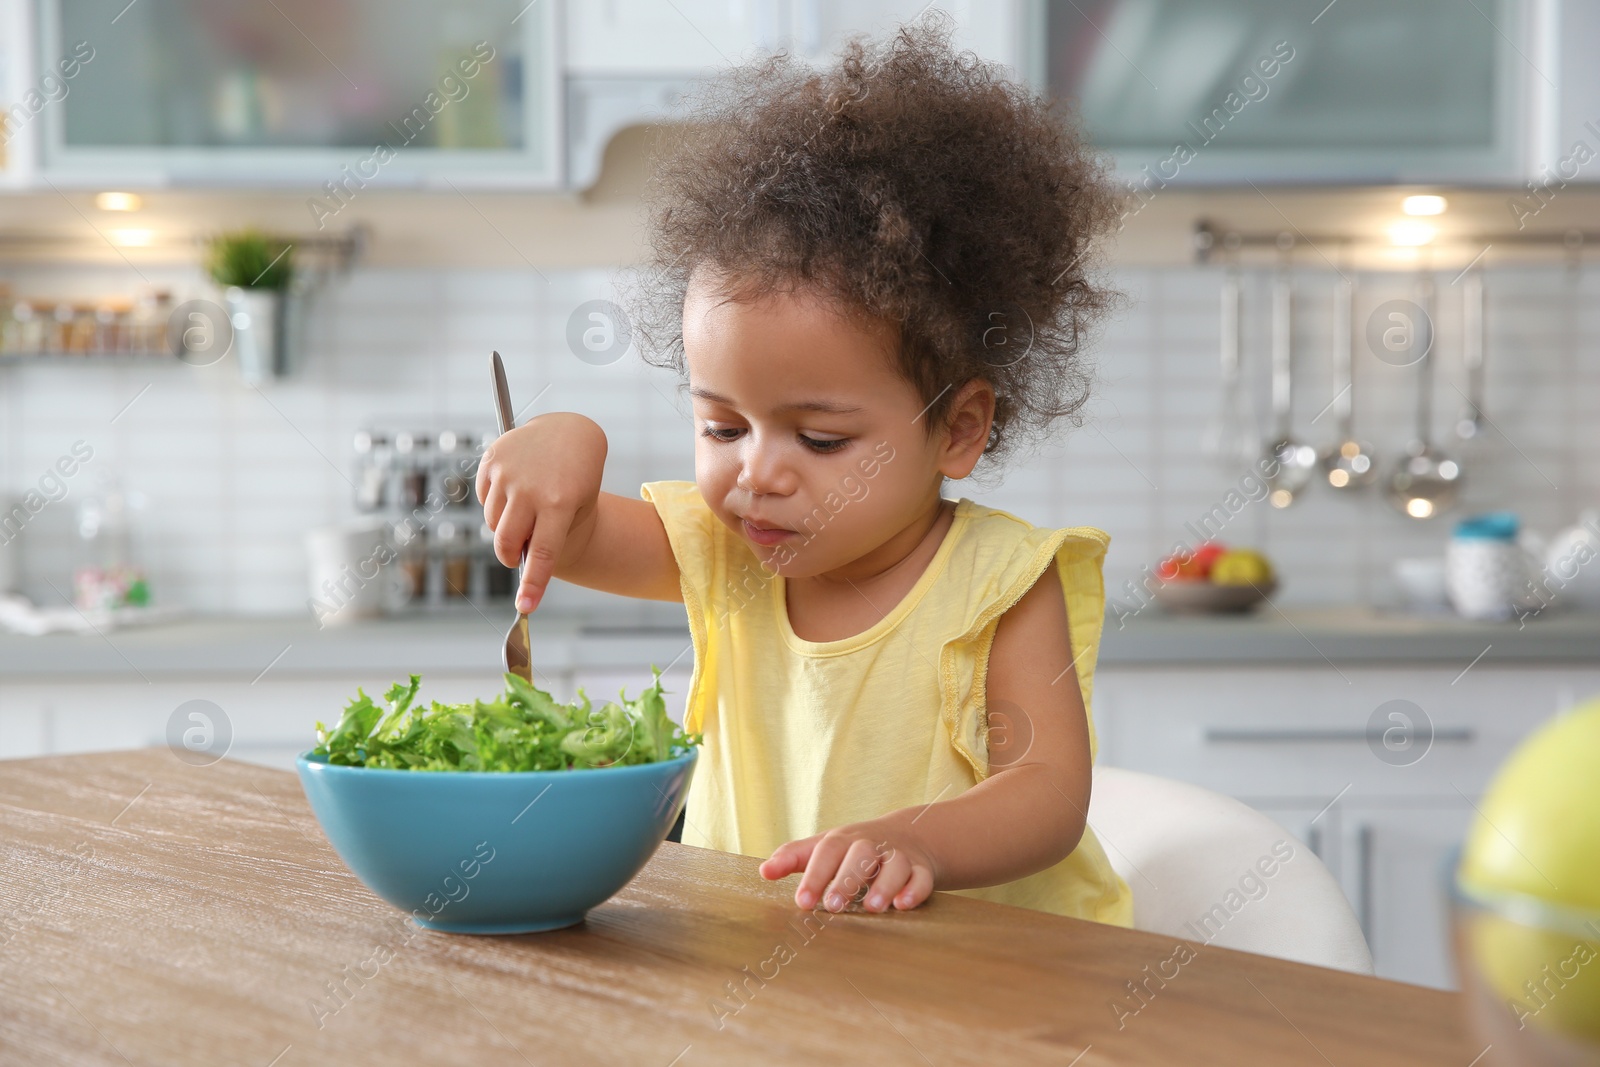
<point>156,913</point>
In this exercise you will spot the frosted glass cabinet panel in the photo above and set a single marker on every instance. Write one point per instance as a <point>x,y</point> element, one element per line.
<point>398,90</point>
<point>1221,90</point>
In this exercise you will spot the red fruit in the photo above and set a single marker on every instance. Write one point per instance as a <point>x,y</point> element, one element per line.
<point>1191,566</point>
<point>1206,555</point>
<point>1178,569</point>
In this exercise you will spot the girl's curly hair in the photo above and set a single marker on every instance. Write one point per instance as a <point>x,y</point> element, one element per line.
<point>908,182</point>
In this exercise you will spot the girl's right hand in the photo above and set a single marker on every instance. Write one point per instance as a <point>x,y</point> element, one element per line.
<point>539,485</point>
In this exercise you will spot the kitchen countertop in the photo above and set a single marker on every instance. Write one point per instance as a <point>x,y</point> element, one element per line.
<point>166,913</point>
<point>463,641</point>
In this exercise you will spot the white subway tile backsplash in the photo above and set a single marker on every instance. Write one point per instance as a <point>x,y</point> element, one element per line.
<point>233,477</point>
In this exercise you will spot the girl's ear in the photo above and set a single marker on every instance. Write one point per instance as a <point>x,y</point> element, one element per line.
<point>966,429</point>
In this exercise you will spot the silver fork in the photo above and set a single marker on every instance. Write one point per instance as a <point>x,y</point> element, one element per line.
<point>516,655</point>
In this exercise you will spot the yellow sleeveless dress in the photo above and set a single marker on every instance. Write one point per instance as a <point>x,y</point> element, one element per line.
<point>802,736</point>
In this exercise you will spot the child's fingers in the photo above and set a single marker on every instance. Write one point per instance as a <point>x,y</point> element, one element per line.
<point>892,878</point>
<point>511,531</point>
<point>789,858</point>
<point>861,861</point>
<point>917,889</point>
<point>494,503</point>
<point>485,480</point>
<point>544,552</point>
<point>826,856</point>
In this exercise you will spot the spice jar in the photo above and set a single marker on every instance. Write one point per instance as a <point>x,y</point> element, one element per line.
<point>456,467</point>
<point>412,460</point>
<point>373,461</point>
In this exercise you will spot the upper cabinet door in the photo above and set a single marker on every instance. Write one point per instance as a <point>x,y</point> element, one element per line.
<point>629,62</point>
<point>1353,90</point>
<point>348,92</point>
<point>649,38</point>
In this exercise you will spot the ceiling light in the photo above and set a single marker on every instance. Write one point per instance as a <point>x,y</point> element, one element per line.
<point>118,201</point>
<point>1419,507</point>
<point>1408,233</point>
<point>1423,205</point>
<point>132,238</point>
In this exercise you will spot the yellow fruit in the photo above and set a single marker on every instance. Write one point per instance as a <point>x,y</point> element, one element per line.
<point>1538,836</point>
<point>1241,566</point>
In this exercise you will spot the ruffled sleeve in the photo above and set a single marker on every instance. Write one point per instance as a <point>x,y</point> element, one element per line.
<point>1018,557</point>
<point>698,547</point>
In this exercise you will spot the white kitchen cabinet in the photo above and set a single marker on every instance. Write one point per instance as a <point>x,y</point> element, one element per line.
<point>1393,875</point>
<point>629,62</point>
<point>646,38</point>
<point>329,98</point>
<point>1224,91</point>
<point>1307,748</point>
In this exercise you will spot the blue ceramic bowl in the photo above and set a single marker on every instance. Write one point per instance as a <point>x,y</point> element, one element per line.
<point>494,852</point>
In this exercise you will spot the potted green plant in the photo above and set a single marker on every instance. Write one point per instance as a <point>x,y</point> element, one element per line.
<point>255,270</point>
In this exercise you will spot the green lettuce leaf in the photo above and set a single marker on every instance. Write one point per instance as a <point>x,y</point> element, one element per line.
<point>522,729</point>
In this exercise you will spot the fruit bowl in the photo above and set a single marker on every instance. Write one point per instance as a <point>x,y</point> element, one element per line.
<point>496,852</point>
<point>1529,972</point>
<point>1210,598</point>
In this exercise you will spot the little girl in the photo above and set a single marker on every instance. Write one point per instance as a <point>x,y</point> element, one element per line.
<point>872,278</point>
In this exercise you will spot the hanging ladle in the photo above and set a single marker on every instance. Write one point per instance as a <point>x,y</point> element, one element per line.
<point>1426,481</point>
<point>1348,464</point>
<point>1291,463</point>
<point>1232,439</point>
<point>1472,425</point>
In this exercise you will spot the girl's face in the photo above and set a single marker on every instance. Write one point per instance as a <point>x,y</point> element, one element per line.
<point>810,444</point>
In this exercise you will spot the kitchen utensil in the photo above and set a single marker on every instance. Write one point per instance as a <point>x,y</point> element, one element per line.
<point>1295,461</point>
<point>517,655</point>
<point>1472,425</point>
<point>1486,570</point>
<point>497,853</point>
<point>1348,464</point>
<point>1425,481</point>
<point>1232,440</point>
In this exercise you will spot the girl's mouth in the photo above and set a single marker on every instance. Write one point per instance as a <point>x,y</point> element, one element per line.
<point>762,535</point>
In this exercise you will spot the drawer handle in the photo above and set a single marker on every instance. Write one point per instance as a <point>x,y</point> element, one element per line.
<point>1221,736</point>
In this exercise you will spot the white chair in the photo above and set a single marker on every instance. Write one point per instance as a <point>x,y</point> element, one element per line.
<point>1206,868</point>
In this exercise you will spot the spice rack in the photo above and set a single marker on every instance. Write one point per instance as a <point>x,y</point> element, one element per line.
<point>137,326</point>
<point>120,326</point>
<point>422,484</point>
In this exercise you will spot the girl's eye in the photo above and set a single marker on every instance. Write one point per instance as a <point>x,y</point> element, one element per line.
<point>721,433</point>
<point>825,445</point>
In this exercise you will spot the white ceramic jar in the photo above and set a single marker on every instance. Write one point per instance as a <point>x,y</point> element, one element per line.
<point>1486,570</point>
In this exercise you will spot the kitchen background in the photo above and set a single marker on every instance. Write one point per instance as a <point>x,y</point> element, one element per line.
<point>137,134</point>
<point>230,478</point>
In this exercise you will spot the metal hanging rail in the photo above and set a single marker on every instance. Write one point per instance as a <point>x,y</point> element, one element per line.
<point>1210,241</point>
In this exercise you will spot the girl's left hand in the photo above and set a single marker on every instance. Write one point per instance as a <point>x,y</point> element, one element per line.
<point>878,853</point>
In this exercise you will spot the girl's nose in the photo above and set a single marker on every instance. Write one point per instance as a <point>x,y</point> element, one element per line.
<point>763,472</point>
